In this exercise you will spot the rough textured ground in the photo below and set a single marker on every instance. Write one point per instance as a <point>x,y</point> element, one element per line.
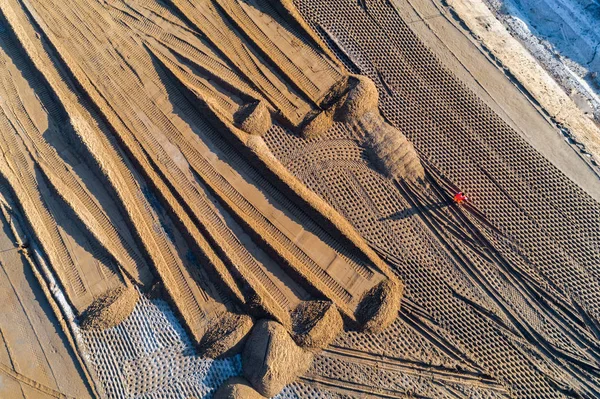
<point>564,88</point>
<point>473,148</point>
<point>134,156</point>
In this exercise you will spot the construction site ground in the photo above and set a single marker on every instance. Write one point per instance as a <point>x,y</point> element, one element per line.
<point>115,183</point>
<point>441,31</point>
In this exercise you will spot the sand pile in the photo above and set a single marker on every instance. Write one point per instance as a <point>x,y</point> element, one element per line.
<point>226,335</point>
<point>262,305</point>
<point>254,118</point>
<point>379,307</point>
<point>317,124</point>
<point>392,152</point>
<point>348,100</point>
<point>237,388</point>
<point>316,324</point>
<point>110,309</point>
<point>271,359</point>
<point>355,100</point>
<point>362,97</point>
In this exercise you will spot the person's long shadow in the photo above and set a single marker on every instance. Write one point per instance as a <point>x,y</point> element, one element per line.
<point>409,212</point>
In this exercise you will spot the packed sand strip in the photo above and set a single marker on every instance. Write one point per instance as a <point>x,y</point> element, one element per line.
<point>172,204</point>
<point>88,274</point>
<point>288,10</point>
<point>37,352</point>
<point>67,181</point>
<point>291,75</point>
<point>33,195</point>
<point>176,140</point>
<point>149,230</point>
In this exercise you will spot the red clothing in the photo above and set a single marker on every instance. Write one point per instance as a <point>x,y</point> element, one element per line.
<point>460,197</point>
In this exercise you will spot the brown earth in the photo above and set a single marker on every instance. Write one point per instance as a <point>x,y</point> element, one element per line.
<point>284,172</point>
<point>38,358</point>
<point>156,146</point>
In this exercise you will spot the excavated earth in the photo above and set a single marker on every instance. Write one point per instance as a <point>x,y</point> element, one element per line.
<point>252,198</point>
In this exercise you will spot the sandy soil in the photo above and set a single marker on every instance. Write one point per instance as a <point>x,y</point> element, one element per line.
<point>523,62</point>
<point>187,173</point>
<point>455,46</point>
<point>37,358</point>
<point>222,239</point>
<point>563,36</point>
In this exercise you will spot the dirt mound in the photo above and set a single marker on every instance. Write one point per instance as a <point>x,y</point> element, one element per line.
<point>257,145</point>
<point>254,118</point>
<point>110,309</point>
<point>271,359</point>
<point>393,153</point>
<point>355,100</point>
<point>348,100</point>
<point>362,97</point>
<point>237,388</point>
<point>380,306</point>
<point>316,324</point>
<point>318,124</point>
<point>263,306</point>
<point>226,336</point>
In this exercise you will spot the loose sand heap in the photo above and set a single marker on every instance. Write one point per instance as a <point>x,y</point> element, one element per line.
<point>361,97</point>
<point>237,388</point>
<point>226,335</point>
<point>392,152</point>
<point>254,118</point>
<point>317,123</point>
<point>271,359</point>
<point>378,308</point>
<point>316,324</point>
<point>355,100</point>
<point>110,309</point>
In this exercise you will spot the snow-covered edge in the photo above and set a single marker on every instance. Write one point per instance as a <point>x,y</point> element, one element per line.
<point>577,128</point>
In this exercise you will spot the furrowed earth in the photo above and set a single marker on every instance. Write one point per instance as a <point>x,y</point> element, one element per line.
<point>254,198</point>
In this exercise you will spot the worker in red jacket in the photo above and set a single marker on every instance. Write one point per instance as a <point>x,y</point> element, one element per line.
<point>460,198</point>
